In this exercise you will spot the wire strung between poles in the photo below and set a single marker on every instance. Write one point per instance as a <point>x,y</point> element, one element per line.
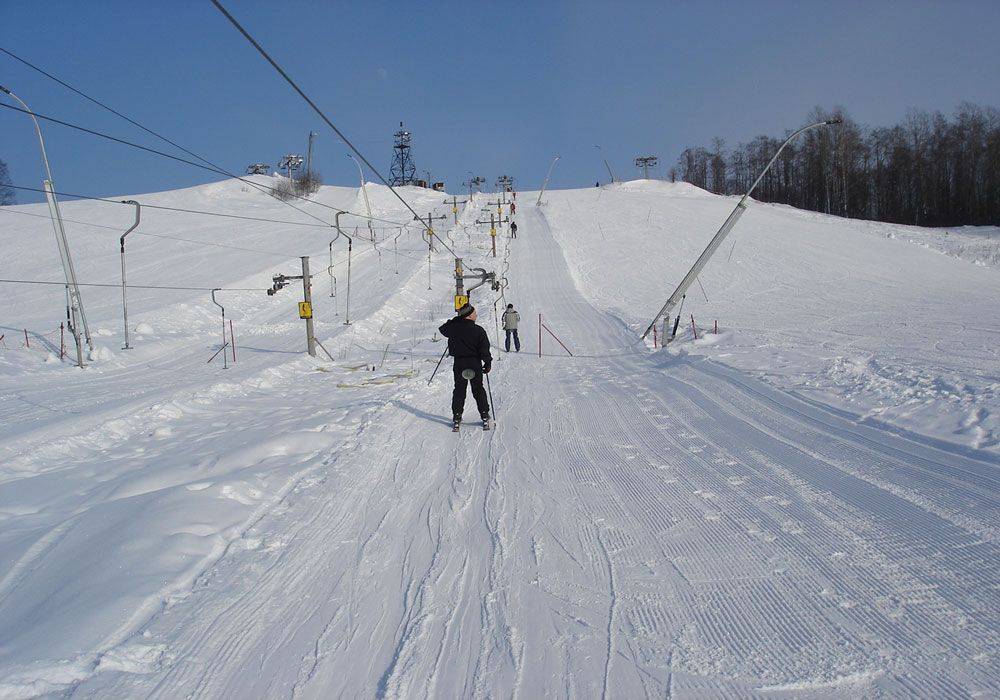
<point>304,96</point>
<point>5,210</point>
<point>268,190</point>
<point>213,169</point>
<point>141,286</point>
<point>177,209</point>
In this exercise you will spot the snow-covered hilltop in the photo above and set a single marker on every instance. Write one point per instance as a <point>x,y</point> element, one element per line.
<point>802,504</point>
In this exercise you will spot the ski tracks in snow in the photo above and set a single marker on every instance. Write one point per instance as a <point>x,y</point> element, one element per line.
<point>636,526</point>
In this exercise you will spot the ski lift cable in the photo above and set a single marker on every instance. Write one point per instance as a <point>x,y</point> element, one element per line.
<point>139,286</point>
<point>154,151</point>
<point>7,210</point>
<point>326,119</point>
<point>132,121</point>
<point>175,209</point>
<point>212,169</point>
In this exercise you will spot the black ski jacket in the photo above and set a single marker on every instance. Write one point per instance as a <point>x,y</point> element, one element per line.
<point>467,343</point>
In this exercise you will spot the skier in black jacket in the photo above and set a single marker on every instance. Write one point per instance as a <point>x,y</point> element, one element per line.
<point>470,347</point>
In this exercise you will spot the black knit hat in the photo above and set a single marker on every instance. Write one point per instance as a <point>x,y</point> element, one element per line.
<point>510,306</point>
<point>466,310</point>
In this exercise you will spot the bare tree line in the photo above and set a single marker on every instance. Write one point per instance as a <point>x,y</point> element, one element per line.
<point>929,170</point>
<point>6,191</point>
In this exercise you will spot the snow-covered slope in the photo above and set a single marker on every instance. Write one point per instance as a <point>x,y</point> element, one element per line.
<point>846,311</point>
<point>640,523</point>
<point>120,483</point>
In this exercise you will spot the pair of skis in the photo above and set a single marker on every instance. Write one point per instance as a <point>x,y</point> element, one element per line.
<point>487,425</point>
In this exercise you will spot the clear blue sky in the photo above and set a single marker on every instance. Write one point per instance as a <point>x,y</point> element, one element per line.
<point>489,87</point>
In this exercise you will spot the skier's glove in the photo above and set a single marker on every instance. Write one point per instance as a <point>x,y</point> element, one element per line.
<point>487,368</point>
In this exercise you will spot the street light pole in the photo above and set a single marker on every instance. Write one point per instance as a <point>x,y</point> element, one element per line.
<point>547,176</point>
<point>72,288</point>
<point>364,192</point>
<point>723,231</point>
<point>610,174</point>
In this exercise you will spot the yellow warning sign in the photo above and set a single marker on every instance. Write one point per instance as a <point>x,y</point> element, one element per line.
<point>460,301</point>
<point>493,232</point>
<point>305,309</point>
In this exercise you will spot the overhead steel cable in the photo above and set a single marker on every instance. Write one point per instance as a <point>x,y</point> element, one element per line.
<point>210,168</point>
<point>117,230</point>
<point>141,286</point>
<point>177,209</point>
<point>7,210</point>
<point>268,190</point>
<point>109,137</point>
<point>104,106</point>
<point>326,119</point>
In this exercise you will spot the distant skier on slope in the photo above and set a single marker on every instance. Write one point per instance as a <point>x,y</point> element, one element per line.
<point>510,321</point>
<point>513,229</point>
<point>513,208</point>
<point>470,346</point>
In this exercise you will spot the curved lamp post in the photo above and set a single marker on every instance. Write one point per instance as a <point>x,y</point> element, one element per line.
<point>544,184</point>
<point>72,288</point>
<point>364,192</point>
<point>610,174</point>
<point>723,231</point>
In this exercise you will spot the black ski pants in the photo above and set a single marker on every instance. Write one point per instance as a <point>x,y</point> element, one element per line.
<point>517,341</point>
<point>478,392</point>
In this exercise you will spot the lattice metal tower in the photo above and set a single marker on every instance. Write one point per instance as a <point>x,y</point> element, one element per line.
<point>403,169</point>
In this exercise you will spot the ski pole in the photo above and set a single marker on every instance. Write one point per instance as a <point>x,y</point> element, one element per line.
<point>438,365</point>
<point>489,388</point>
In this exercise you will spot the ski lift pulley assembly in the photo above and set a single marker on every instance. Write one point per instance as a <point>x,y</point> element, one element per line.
<point>278,282</point>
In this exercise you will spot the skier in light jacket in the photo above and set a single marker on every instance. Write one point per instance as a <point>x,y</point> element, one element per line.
<point>510,321</point>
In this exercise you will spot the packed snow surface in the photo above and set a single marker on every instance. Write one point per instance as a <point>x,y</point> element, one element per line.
<point>802,502</point>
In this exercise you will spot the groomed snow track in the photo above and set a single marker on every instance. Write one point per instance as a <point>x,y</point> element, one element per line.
<point>638,525</point>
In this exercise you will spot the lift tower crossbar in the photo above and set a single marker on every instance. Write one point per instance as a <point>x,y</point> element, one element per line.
<point>646,162</point>
<point>455,201</point>
<point>429,232</point>
<point>494,219</point>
